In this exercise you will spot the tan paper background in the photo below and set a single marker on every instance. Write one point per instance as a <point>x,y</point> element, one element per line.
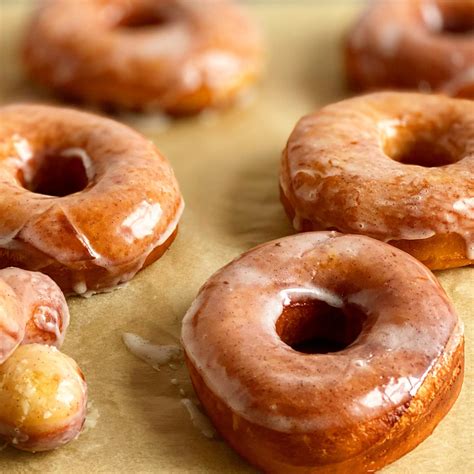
<point>227,166</point>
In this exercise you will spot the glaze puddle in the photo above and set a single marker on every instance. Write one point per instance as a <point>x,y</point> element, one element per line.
<point>199,420</point>
<point>92,418</point>
<point>155,355</point>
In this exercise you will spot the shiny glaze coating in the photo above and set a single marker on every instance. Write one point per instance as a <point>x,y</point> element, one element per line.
<point>354,410</point>
<point>12,321</point>
<point>350,167</point>
<point>96,237</point>
<point>32,310</point>
<point>43,398</point>
<point>424,44</point>
<point>46,314</point>
<point>177,55</point>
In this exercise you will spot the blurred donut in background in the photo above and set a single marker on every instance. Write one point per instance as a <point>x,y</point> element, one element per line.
<point>179,56</point>
<point>415,44</point>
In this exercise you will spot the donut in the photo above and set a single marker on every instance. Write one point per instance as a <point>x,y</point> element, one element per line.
<point>83,199</point>
<point>424,44</point>
<point>324,352</point>
<point>43,394</point>
<point>179,56</point>
<point>398,167</point>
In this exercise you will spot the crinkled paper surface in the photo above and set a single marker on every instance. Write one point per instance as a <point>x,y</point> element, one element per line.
<point>227,166</point>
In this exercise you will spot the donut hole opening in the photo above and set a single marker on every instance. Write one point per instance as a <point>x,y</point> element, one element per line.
<point>430,148</point>
<point>55,174</point>
<point>459,25</point>
<point>314,327</point>
<point>140,19</point>
<point>455,18</point>
<point>426,154</point>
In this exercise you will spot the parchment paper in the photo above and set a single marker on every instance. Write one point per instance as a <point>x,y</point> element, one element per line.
<point>227,166</point>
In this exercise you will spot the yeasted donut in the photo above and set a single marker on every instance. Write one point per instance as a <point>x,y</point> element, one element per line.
<point>43,395</point>
<point>324,352</point>
<point>398,167</point>
<point>177,55</point>
<point>424,44</point>
<point>83,199</point>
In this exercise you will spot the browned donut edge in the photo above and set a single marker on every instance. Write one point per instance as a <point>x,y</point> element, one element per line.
<point>129,98</point>
<point>398,432</point>
<point>439,252</point>
<point>97,278</point>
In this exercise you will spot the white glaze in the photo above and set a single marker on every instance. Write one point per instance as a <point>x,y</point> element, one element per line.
<point>155,355</point>
<point>432,16</point>
<point>85,158</point>
<point>142,221</point>
<point>92,417</point>
<point>394,351</point>
<point>374,194</point>
<point>199,419</point>
<point>389,39</point>
<point>172,225</point>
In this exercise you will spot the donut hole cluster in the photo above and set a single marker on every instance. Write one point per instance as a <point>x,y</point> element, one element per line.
<point>53,173</point>
<point>315,327</point>
<point>423,144</point>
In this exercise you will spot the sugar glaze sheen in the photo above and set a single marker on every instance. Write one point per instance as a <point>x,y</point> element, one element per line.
<point>398,167</point>
<point>359,407</point>
<point>177,56</point>
<point>413,44</point>
<point>104,189</point>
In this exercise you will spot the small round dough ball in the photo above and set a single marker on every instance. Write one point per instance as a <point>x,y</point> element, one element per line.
<point>43,398</point>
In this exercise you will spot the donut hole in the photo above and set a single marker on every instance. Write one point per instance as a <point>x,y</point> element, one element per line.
<point>55,174</point>
<point>458,25</point>
<point>426,154</point>
<point>427,147</point>
<point>314,327</point>
<point>451,17</point>
<point>143,19</point>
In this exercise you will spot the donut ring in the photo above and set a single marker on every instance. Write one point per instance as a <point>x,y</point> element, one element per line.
<point>83,199</point>
<point>398,372</point>
<point>177,55</point>
<point>398,167</point>
<point>424,44</point>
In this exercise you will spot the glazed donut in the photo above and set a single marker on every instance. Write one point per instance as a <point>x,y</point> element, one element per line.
<point>324,352</point>
<point>424,44</point>
<point>177,55</point>
<point>398,167</point>
<point>84,199</point>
